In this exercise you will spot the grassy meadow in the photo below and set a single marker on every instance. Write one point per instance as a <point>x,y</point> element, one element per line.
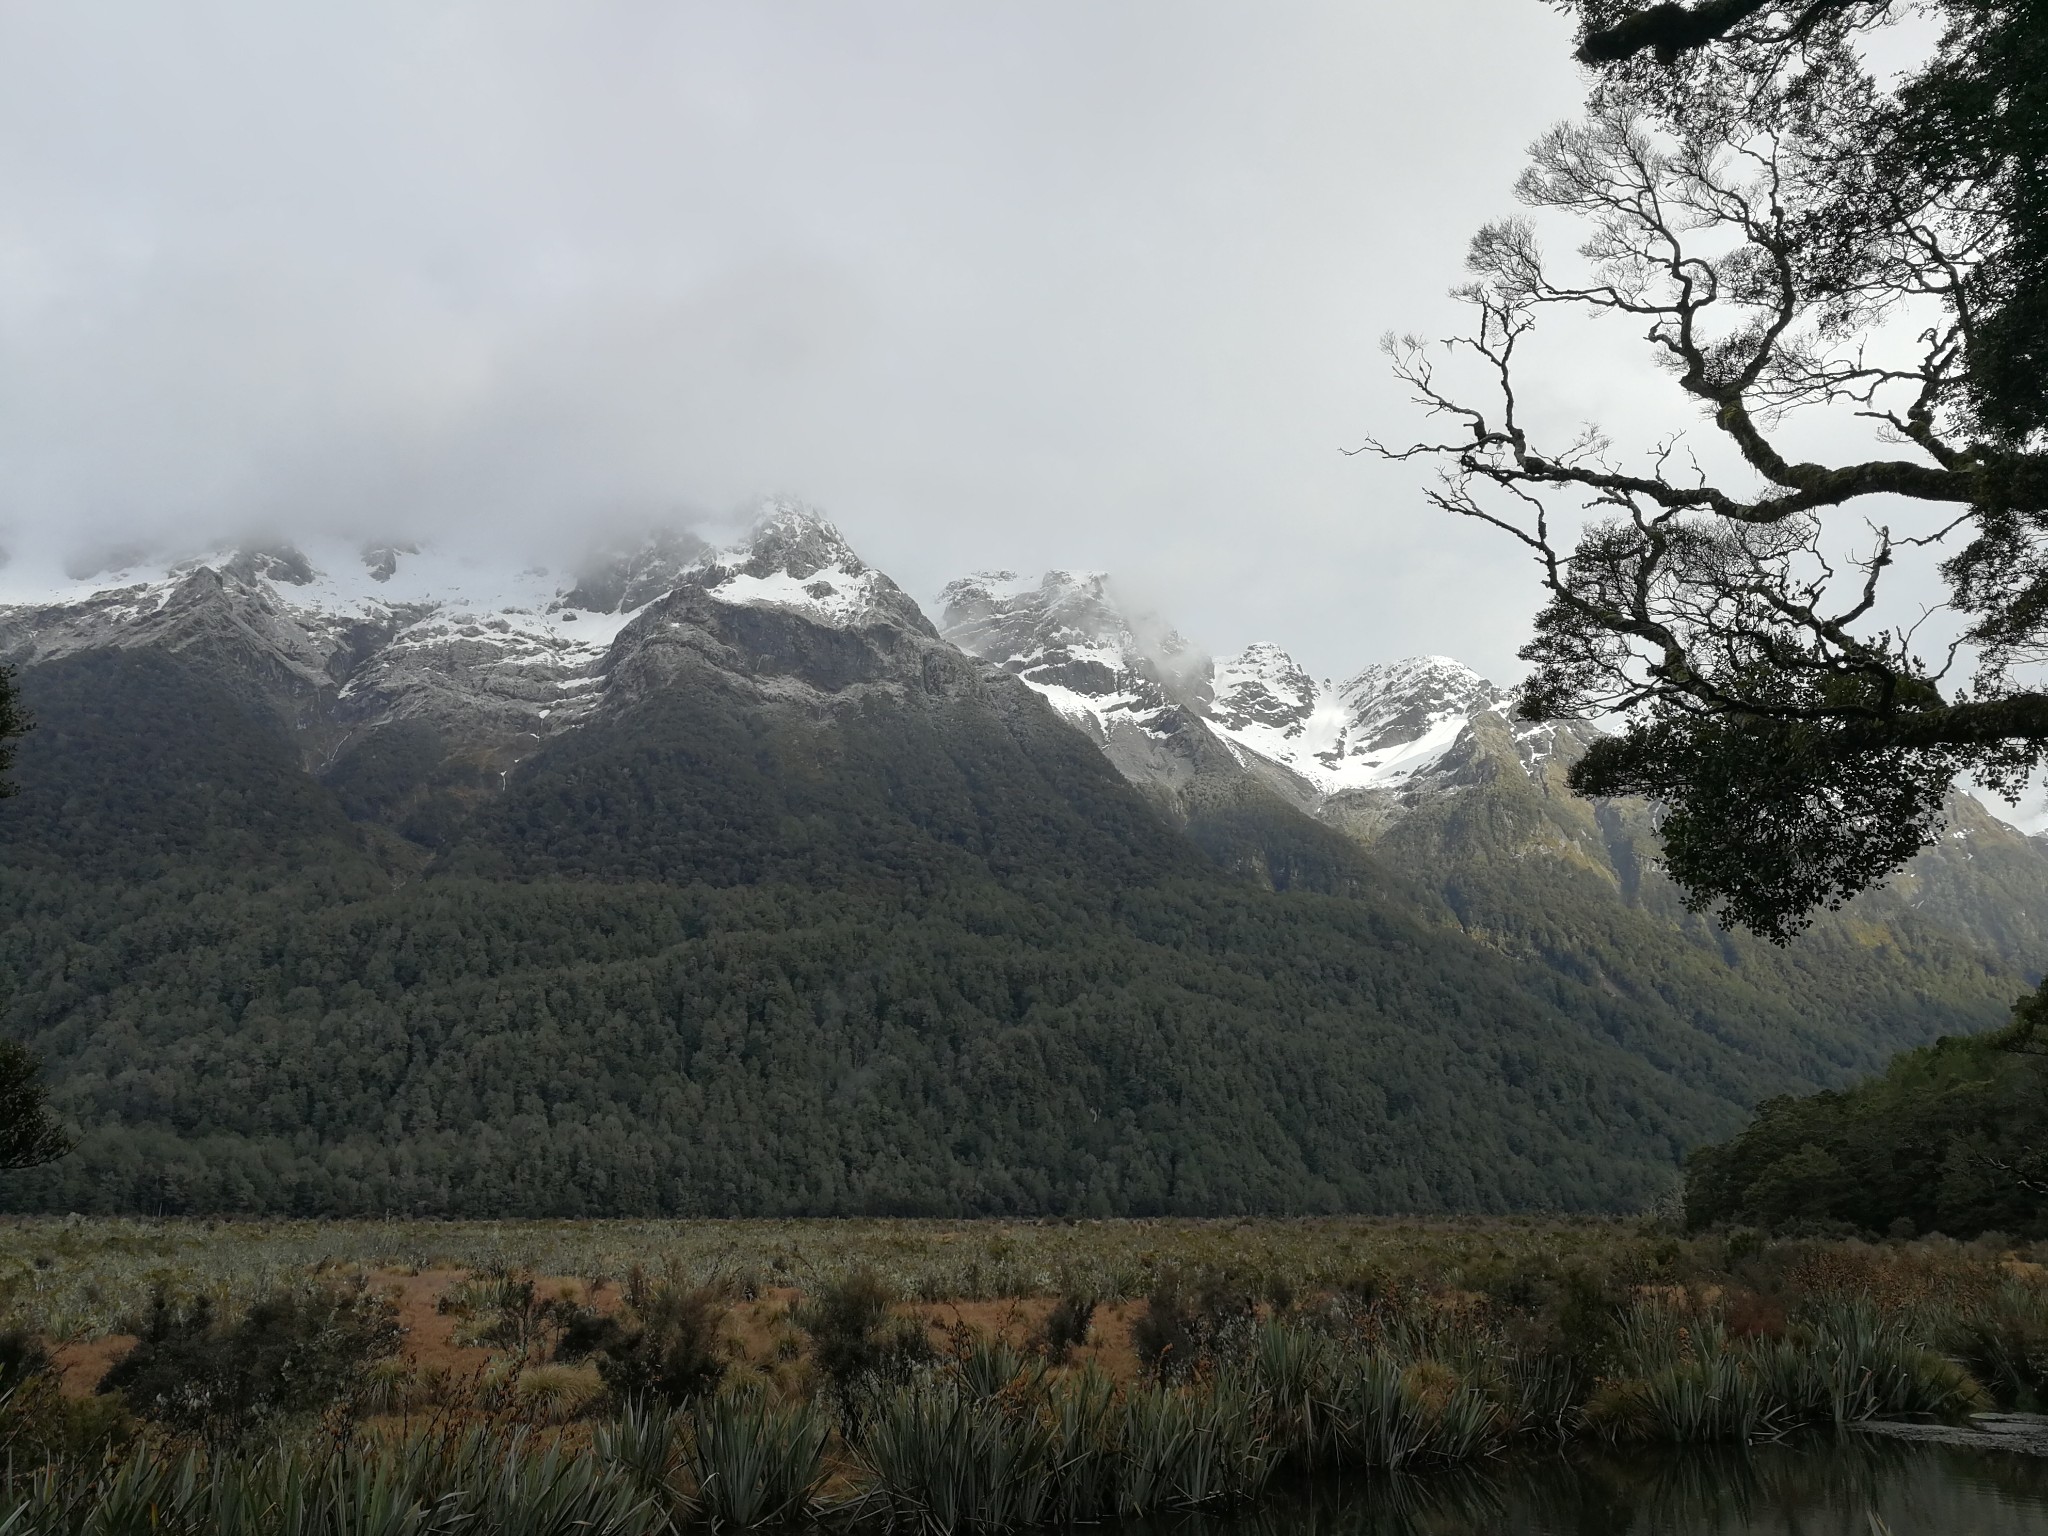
<point>80,1277</point>
<point>648,1376</point>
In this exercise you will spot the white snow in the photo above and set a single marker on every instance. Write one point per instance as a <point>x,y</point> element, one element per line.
<point>1386,725</point>
<point>996,586</point>
<point>1102,709</point>
<point>833,593</point>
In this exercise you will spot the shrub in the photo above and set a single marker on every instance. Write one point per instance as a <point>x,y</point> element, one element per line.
<point>1067,1325</point>
<point>507,1311</point>
<point>853,1336</point>
<point>1163,1335</point>
<point>1182,1321</point>
<point>38,1421</point>
<point>586,1332</point>
<point>667,1349</point>
<point>294,1351</point>
<point>22,1358</point>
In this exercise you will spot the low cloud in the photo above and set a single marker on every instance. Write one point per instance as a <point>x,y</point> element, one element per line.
<point>1036,285</point>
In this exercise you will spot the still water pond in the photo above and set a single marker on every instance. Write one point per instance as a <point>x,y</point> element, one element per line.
<point>1819,1487</point>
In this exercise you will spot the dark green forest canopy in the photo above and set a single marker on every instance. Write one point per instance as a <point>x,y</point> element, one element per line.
<point>713,960</point>
<point>1946,1140</point>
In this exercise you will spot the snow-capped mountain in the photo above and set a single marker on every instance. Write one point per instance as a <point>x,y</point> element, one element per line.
<point>1366,755</point>
<point>1383,726</point>
<point>338,640</point>
<point>455,667</point>
<point>1373,742</point>
<point>493,656</point>
<point>1106,668</point>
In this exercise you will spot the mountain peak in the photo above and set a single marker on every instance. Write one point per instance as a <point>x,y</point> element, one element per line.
<point>1069,635</point>
<point>793,558</point>
<point>272,562</point>
<point>1399,703</point>
<point>794,539</point>
<point>1264,686</point>
<point>624,575</point>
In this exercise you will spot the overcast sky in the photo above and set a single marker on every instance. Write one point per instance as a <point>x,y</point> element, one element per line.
<point>1062,282</point>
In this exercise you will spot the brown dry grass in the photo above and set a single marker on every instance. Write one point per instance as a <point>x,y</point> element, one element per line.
<point>81,1364</point>
<point>754,1330</point>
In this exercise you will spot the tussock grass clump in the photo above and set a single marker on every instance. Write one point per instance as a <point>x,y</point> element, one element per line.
<point>993,1441</point>
<point>1684,1379</point>
<point>2004,1343</point>
<point>507,1485</point>
<point>555,1394</point>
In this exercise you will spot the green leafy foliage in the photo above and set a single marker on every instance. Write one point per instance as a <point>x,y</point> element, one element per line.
<point>14,722</point>
<point>755,1461</point>
<point>855,1339</point>
<point>1769,820</point>
<point>29,1137</point>
<point>1068,1324</point>
<point>1185,1316</point>
<point>1802,749</point>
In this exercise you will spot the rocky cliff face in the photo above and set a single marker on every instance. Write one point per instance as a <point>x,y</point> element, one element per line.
<point>1126,679</point>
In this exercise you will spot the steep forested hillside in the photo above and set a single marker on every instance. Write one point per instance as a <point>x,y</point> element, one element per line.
<point>1529,868</point>
<point>727,950</point>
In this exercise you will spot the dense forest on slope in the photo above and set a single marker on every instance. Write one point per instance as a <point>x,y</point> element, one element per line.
<point>1947,1139</point>
<point>1527,867</point>
<point>713,956</point>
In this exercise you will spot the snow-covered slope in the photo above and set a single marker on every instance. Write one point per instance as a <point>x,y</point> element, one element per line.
<point>1118,673</point>
<point>794,559</point>
<point>1070,637</point>
<point>337,639</point>
<point>1384,726</point>
<point>1115,671</point>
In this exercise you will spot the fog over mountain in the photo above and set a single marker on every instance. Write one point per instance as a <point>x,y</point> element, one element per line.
<point>1019,285</point>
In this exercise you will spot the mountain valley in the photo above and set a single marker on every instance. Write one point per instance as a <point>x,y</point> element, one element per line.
<point>728,881</point>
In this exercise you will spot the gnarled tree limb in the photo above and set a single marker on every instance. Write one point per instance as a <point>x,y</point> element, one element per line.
<point>1670,30</point>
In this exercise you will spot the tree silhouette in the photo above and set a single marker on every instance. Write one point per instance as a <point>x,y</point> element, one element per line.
<point>1800,249</point>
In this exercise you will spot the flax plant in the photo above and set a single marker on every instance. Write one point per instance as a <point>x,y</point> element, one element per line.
<point>752,1461</point>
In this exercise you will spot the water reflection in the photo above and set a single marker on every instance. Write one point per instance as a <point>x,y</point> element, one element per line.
<point>1819,1487</point>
